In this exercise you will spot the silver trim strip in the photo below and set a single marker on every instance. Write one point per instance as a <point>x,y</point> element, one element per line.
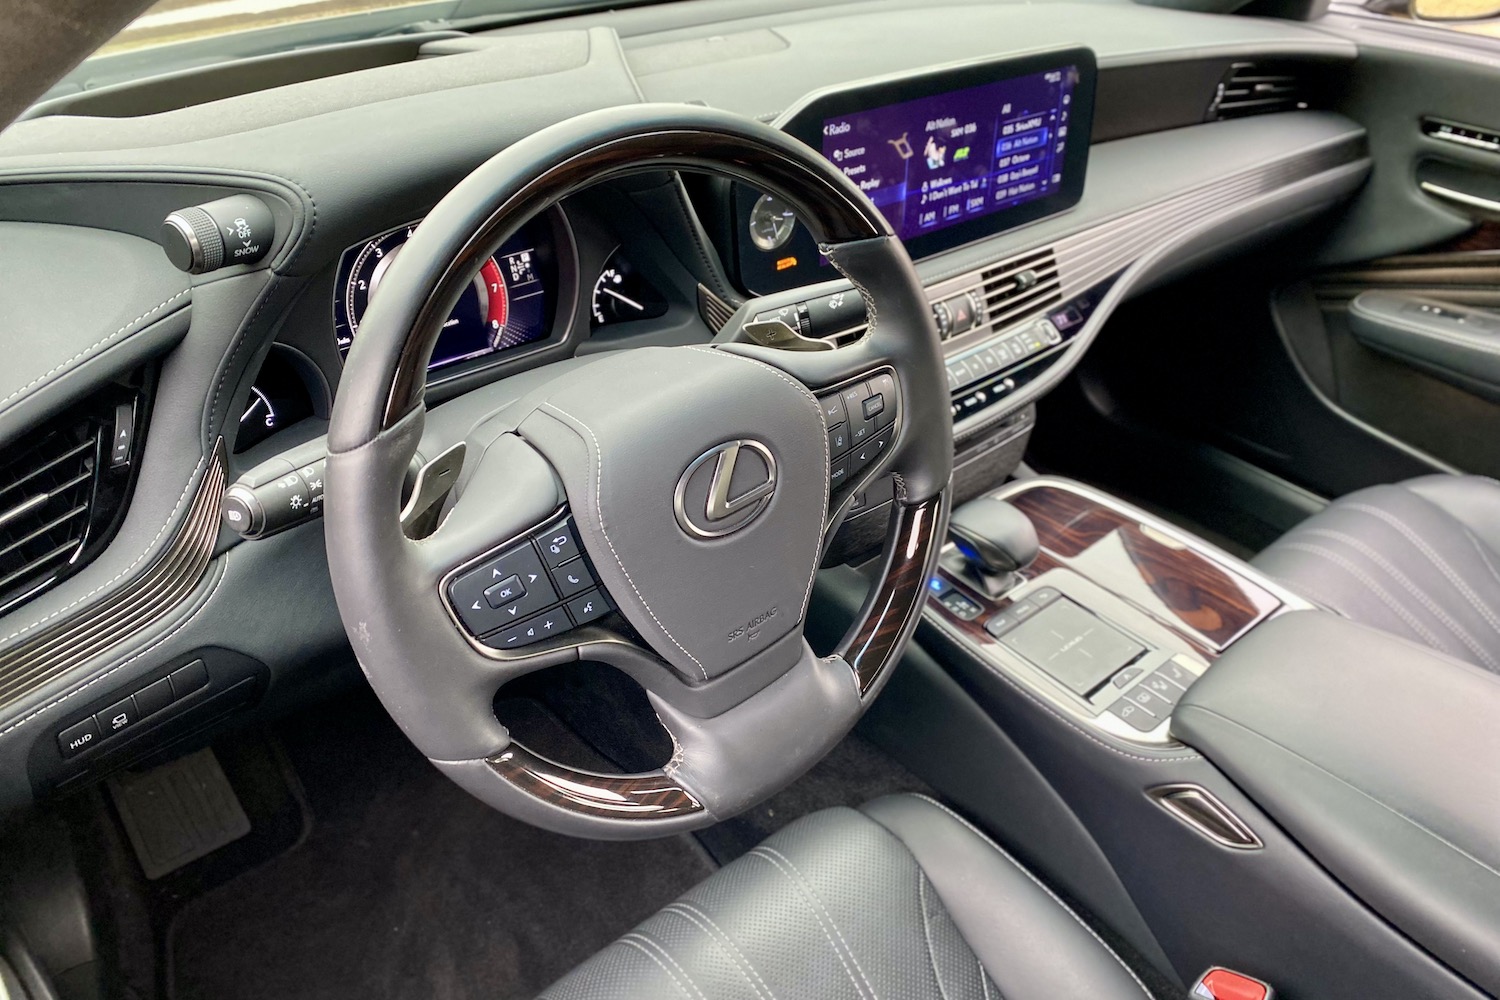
<point>1460,197</point>
<point>1201,810</point>
<point>96,628</point>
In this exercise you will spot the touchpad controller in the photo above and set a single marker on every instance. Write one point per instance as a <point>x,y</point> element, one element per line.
<point>1072,645</point>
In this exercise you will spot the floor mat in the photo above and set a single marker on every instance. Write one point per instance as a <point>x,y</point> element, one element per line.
<point>406,886</point>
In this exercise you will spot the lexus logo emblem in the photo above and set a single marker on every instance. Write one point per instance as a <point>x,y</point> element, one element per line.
<point>725,488</point>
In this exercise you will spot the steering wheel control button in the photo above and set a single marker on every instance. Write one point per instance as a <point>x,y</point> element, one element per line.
<point>588,607</point>
<point>559,544</point>
<point>76,739</point>
<point>189,678</point>
<point>554,622</point>
<point>833,409</point>
<point>868,452</point>
<point>873,406</point>
<point>836,313</point>
<point>121,715</point>
<point>572,578</point>
<point>506,592</point>
<point>517,566</point>
<point>838,472</point>
<point>884,387</point>
<point>838,440</point>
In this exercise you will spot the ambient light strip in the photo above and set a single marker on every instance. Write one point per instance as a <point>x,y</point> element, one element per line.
<point>92,630</point>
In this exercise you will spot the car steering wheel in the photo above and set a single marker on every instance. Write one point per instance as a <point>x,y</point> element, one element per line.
<point>695,479</point>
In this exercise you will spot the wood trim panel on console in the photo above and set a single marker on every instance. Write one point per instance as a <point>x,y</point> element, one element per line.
<point>1203,602</point>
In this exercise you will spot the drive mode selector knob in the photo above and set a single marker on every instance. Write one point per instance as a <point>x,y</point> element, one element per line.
<point>233,230</point>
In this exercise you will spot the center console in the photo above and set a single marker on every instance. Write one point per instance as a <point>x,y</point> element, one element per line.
<point>1115,616</point>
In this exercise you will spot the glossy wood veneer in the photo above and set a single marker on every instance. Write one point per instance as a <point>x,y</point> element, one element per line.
<point>1201,601</point>
<point>612,796</point>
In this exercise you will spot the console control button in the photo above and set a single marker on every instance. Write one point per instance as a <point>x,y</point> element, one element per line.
<point>187,679</point>
<point>1124,677</point>
<point>572,578</point>
<point>1134,716</point>
<point>588,607</point>
<point>121,715</point>
<point>77,738</point>
<point>960,606</point>
<point>1024,609</point>
<point>1149,700</point>
<point>1163,688</point>
<point>1001,623</point>
<point>1045,595</point>
<point>154,697</point>
<point>558,544</point>
<point>1177,674</point>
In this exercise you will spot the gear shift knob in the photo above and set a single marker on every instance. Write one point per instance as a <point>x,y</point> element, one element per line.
<point>995,537</point>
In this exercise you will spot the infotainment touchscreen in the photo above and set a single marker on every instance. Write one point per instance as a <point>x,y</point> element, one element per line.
<point>949,156</point>
<point>930,163</point>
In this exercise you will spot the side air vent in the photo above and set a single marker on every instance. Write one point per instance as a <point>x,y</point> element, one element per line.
<point>1258,89</point>
<point>1021,287</point>
<point>62,491</point>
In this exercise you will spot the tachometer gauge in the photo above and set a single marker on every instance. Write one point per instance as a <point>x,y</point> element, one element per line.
<point>771,223</point>
<point>621,294</point>
<point>507,304</point>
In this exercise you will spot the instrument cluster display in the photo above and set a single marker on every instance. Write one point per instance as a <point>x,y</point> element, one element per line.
<point>509,304</point>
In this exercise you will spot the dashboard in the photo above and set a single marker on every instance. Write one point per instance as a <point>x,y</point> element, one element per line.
<point>1050,162</point>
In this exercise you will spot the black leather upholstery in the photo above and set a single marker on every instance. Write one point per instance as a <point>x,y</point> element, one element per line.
<point>1419,559</point>
<point>1378,756</point>
<point>899,899</point>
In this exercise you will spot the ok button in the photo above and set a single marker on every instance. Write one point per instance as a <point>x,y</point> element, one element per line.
<point>507,591</point>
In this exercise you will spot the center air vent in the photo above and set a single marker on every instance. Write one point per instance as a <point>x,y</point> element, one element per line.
<point>1257,89</point>
<point>62,490</point>
<point>1020,288</point>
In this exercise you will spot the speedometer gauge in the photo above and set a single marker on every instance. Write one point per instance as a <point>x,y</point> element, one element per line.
<point>507,304</point>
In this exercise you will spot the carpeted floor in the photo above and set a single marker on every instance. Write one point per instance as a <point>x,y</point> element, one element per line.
<point>405,886</point>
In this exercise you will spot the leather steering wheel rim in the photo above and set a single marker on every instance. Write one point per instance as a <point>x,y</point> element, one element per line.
<point>757,716</point>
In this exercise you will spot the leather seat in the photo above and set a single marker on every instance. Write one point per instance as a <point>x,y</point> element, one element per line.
<point>899,899</point>
<point>1419,559</point>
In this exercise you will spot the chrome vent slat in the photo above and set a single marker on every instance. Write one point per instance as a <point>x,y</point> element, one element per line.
<point>1008,301</point>
<point>1250,89</point>
<point>46,654</point>
<point>79,449</point>
<point>52,525</point>
<point>49,526</point>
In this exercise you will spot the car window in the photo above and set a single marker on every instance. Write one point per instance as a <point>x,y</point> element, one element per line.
<point>1477,17</point>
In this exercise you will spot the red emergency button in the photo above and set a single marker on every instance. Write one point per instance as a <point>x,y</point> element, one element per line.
<point>1223,984</point>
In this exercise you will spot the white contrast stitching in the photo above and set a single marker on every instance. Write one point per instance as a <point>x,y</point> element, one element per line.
<point>927,932</point>
<point>91,349</point>
<point>1041,885</point>
<point>765,854</point>
<point>646,939</point>
<point>1442,565</point>
<point>629,943</point>
<point>1380,593</point>
<point>192,478</point>
<point>741,961</point>
<point>207,598</point>
<point>1410,586</point>
<point>864,292</point>
<point>599,504</point>
<point>1166,758</point>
